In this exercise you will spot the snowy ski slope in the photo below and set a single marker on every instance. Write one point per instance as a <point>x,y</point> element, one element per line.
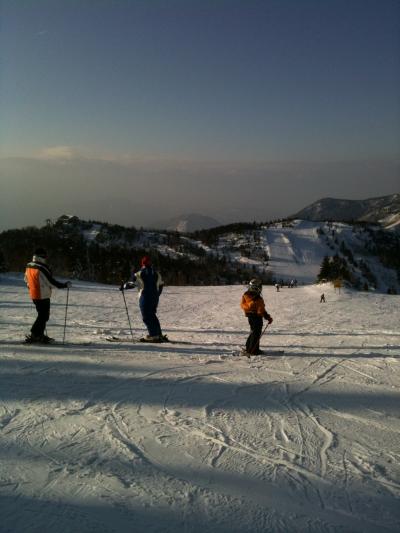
<point>296,253</point>
<point>296,249</point>
<point>121,437</point>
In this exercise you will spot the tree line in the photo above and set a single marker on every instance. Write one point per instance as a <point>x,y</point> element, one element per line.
<point>114,252</point>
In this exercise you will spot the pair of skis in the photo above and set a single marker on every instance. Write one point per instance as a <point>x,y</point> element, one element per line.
<point>135,340</point>
<point>128,340</point>
<point>111,338</point>
<point>54,342</point>
<point>264,353</point>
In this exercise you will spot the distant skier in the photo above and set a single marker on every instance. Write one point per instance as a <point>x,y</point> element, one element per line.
<point>322,299</point>
<point>254,308</point>
<point>40,282</point>
<point>277,287</point>
<point>150,286</point>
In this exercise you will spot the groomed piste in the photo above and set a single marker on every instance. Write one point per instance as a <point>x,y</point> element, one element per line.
<point>118,437</point>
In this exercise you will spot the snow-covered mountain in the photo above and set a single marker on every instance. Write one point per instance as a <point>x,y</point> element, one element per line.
<point>188,223</point>
<point>280,251</point>
<point>384,210</point>
<point>295,250</point>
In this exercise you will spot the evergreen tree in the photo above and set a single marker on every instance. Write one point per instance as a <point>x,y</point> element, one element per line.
<point>324,273</point>
<point>3,267</point>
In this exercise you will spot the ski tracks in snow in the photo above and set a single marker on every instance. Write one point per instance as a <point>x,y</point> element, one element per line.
<point>304,441</point>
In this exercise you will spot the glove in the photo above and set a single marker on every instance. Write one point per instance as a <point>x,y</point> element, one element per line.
<point>68,284</point>
<point>268,318</point>
<point>127,285</point>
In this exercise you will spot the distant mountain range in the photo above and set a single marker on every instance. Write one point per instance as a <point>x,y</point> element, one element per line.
<point>188,223</point>
<point>354,239</point>
<point>384,210</point>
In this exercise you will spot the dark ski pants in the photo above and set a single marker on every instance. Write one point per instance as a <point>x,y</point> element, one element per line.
<point>43,311</point>
<point>150,319</point>
<point>253,341</point>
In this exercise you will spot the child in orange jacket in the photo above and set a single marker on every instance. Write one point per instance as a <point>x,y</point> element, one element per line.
<point>254,308</point>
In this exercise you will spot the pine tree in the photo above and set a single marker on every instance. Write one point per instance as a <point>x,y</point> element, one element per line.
<point>3,267</point>
<point>324,273</point>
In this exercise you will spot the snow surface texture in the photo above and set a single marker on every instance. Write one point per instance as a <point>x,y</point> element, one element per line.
<point>296,254</point>
<point>121,437</point>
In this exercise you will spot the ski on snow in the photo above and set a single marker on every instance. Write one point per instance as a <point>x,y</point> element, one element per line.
<point>56,343</point>
<point>112,338</point>
<point>265,353</point>
<point>137,340</point>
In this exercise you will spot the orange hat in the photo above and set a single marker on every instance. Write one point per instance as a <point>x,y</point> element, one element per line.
<point>145,261</point>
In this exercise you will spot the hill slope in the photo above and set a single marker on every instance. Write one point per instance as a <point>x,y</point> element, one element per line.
<point>295,250</point>
<point>232,254</point>
<point>384,210</point>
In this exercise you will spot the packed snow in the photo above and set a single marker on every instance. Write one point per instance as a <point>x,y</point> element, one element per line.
<point>296,252</point>
<point>115,437</point>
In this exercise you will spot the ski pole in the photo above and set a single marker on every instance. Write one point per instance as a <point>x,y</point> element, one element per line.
<point>264,330</point>
<point>127,314</point>
<point>66,311</point>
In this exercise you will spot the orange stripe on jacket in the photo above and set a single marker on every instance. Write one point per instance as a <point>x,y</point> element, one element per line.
<point>252,304</point>
<point>32,277</point>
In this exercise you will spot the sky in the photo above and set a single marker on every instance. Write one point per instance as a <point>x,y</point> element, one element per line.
<point>136,111</point>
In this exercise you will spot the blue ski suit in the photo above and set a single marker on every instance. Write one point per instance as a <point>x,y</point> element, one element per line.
<point>150,286</point>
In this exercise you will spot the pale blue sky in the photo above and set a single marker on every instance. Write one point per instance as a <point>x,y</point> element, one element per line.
<point>166,85</point>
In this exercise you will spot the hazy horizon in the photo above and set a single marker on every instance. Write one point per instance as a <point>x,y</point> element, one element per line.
<point>136,112</point>
<point>71,187</point>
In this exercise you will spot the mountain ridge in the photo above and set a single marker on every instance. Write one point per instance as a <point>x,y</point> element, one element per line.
<point>383,210</point>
